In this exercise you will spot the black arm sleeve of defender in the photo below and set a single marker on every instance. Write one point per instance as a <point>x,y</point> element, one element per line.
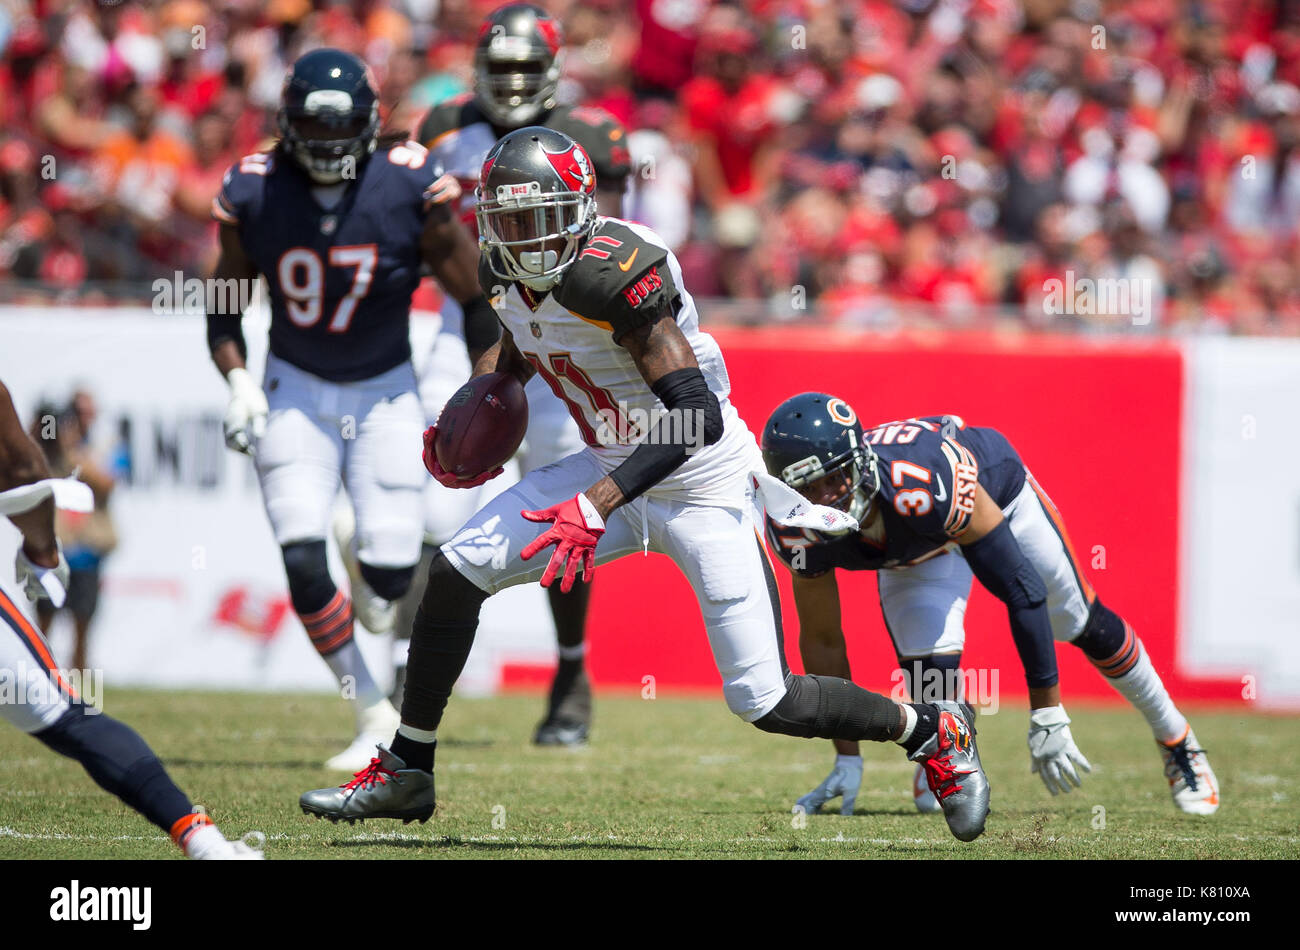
<point>1000,565</point>
<point>482,328</point>
<point>227,326</point>
<point>694,420</point>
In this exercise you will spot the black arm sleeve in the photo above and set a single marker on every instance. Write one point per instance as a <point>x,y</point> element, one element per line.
<point>222,327</point>
<point>482,328</point>
<point>1000,565</point>
<point>694,420</point>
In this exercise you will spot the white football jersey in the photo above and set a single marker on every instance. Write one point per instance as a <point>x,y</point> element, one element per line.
<point>596,378</point>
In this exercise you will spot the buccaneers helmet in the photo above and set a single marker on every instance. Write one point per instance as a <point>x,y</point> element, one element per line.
<point>813,435</point>
<point>329,114</point>
<point>536,205</point>
<point>517,62</point>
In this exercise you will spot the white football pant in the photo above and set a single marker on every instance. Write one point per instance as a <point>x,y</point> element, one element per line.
<point>716,547</point>
<point>366,434</point>
<point>33,691</point>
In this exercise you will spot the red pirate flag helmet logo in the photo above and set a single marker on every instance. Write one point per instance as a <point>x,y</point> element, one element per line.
<point>574,168</point>
<point>536,205</point>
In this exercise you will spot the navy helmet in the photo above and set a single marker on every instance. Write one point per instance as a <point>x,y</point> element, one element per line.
<point>813,435</point>
<point>329,114</point>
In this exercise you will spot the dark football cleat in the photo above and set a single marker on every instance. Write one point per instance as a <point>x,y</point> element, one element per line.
<point>568,718</point>
<point>561,732</point>
<point>953,771</point>
<point>383,789</point>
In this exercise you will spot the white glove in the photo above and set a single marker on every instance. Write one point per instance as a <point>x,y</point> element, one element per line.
<point>245,420</point>
<point>844,780</point>
<point>43,583</point>
<point>1052,750</point>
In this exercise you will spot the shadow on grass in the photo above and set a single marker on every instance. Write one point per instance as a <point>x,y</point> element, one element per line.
<point>314,765</point>
<point>448,843</point>
<point>826,814</point>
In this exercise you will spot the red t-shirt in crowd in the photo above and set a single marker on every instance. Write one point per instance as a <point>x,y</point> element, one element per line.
<point>738,123</point>
<point>666,56</point>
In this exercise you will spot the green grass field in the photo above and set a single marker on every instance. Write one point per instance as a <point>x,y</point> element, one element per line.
<point>667,778</point>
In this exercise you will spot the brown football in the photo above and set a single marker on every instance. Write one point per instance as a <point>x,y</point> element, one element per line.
<point>482,425</point>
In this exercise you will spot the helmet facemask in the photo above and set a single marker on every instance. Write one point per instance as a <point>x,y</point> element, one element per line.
<point>514,87</point>
<point>857,469</point>
<point>327,133</point>
<point>533,236</point>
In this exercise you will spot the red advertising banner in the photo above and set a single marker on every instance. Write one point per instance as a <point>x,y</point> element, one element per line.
<point>1097,422</point>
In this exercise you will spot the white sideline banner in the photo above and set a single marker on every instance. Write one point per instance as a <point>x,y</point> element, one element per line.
<point>1240,572</point>
<point>195,593</point>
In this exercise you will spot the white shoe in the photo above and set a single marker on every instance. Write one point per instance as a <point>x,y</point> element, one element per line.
<point>377,615</point>
<point>375,724</point>
<point>381,718</point>
<point>208,844</point>
<point>921,794</point>
<point>1191,780</point>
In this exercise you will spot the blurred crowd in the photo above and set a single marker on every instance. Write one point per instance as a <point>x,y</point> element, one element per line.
<point>868,162</point>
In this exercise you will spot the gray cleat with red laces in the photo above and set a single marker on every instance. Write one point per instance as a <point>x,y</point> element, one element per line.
<point>385,788</point>
<point>953,771</point>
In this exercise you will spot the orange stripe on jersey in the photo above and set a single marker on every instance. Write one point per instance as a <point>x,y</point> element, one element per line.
<point>441,136</point>
<point>186,825</point>
<point>596,323</point>
<point>35,642</point>
<point>1059,523</point>
<point>222,213</point>
<point>965,484</point>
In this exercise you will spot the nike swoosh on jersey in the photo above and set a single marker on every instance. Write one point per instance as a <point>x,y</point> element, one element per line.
<point>624,265</point>
<point>942,493</point>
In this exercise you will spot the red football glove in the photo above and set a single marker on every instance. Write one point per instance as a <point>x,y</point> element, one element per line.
<point>576,529</point>
<point>445,477</point>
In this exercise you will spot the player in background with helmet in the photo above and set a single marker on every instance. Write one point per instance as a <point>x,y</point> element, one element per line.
<point>517,63</point>
<point>43,703</point>
<point>340,222</point>
<point>938,502</point>
<point>596,306</point>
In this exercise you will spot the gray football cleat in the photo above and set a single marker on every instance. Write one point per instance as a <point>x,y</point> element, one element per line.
<point>385,788</point>
<point>953,771</point>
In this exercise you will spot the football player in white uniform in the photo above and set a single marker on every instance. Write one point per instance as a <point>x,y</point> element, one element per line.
<point>517,64</point>
<point>39,699</point>
<point>596,307</point>
<point>341,223</point>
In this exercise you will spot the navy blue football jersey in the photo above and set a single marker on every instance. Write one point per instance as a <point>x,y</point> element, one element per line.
<point>341,278</point>
<point>929,468</point>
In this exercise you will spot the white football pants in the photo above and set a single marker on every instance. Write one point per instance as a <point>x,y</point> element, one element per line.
<point>366,434</point>
<point>717,548</point>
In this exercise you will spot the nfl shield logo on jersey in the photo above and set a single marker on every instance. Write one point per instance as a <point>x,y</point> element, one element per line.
<point>536,328</point>
<point>328,224</point>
